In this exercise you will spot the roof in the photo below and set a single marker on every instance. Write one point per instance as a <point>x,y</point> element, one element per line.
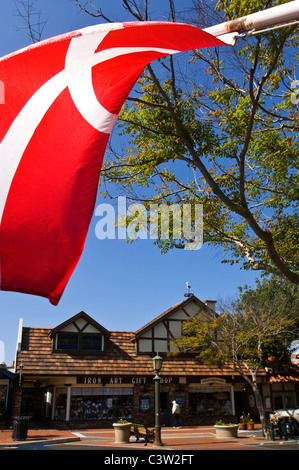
<point>284,379</point>
<point>291,375</point>
<point>120,358</point>
<point>6,373</point>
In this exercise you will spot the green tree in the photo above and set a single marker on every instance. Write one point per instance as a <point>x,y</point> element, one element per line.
<point>217,127</point>
<point>281,300</point>
<point>254,332</point>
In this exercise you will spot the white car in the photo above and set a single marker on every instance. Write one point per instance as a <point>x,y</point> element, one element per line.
<point>290,417</point>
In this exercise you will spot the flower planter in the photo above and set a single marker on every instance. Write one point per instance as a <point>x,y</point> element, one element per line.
<point>122,432</point>
<point>248,426</point>
<point>226,431</point>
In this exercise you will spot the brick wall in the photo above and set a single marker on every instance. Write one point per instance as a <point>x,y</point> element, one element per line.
<point>17,399</point>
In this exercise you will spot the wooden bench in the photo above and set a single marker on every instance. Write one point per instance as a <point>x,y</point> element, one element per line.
<point>142,431</point>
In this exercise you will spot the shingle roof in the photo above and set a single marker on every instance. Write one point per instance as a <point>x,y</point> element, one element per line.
<point>290,376</point>
<point>120,358</point>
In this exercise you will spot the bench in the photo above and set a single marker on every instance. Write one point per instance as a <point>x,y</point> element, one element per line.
<point>142,431</point>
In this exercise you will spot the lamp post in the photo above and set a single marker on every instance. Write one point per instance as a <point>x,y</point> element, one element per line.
<point>157,365</point>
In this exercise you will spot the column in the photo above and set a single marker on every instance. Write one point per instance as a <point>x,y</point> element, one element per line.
<point>232,395</point>
<point>53,404</point>
<point>68,402</point>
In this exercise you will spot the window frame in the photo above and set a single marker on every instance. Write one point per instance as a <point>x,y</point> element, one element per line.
<point>79,349</point>
<point>67,333</point>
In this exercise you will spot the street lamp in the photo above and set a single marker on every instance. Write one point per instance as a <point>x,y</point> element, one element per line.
<point>157,365</point>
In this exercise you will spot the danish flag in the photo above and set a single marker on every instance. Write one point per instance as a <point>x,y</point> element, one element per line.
<point>62,97</point>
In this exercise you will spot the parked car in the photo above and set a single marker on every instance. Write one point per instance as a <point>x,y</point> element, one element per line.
<point>290,417</point>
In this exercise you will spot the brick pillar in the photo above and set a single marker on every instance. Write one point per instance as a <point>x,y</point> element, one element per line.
<point>142,417</point>
<point>17,399</point>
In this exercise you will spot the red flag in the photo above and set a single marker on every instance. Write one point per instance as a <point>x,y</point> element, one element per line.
<point>62,97</point>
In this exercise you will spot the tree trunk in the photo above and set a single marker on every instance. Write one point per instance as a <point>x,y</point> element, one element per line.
<point>260,407</point>
<point>258,398</point>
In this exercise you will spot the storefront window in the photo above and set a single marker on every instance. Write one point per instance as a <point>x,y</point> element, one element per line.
<point>284,400</point>
<point>60,403</point>
<point>3,396</point>
<point>101,403</point>
<point>27,403</point>
<point>210,401</point>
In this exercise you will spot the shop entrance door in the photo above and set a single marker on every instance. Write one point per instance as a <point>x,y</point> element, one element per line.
<point>240,403</point>
<point>165,411</point>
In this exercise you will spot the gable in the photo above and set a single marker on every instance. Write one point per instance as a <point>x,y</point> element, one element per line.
<point>79,333</point>
<point>80,322</point>
<point>157,336</point>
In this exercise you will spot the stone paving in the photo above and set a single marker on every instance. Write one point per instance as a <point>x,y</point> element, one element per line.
<point>185,438</point>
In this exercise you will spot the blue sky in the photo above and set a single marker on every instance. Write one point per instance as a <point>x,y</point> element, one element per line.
<point>120,285</point>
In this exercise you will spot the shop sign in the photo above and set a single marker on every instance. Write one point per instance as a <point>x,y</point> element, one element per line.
<point>213,380</point>
<point>108,380</point>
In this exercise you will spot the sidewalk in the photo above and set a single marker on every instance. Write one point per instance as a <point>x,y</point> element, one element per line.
<point>185,438</point>
<point>40,436</point>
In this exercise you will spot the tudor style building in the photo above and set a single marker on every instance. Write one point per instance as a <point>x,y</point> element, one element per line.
<point>80,374</point>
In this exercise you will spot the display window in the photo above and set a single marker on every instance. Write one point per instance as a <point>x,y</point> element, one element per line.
<point>210,401</point>
<point>101,403</point>
<point>3,398</point>
<point>284,400</point>
<point>60,404</point>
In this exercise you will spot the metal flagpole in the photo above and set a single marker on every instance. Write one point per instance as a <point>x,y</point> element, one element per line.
<point>255,21</point>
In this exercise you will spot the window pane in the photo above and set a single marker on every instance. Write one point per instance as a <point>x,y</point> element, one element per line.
<point>3,394</point>
<point>290,401</point>
<point>100,407</point>
<point>91,342</point>
<point>27,403</point>
<point>67,341</point>
<point>210,404</point>
<point>278,402</point>
<point>60,404</point>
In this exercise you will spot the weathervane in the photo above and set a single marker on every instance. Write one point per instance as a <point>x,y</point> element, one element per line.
<point>188,294</point>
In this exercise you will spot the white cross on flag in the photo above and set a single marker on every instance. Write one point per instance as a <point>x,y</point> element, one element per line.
<point>62,97</point>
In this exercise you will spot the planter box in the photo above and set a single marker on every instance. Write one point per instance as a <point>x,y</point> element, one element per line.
<point>229,431</point>
<point>122,432</point>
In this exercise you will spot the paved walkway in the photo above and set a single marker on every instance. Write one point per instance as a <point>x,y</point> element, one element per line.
<point>185,438</point>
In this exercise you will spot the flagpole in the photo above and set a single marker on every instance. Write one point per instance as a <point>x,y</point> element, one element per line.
<point>270,17</point>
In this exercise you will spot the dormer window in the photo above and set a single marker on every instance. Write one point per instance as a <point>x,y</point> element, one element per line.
<point>67,341</point>
<point>90,342</point>
<point>79,341</point>
<point>79,333</point>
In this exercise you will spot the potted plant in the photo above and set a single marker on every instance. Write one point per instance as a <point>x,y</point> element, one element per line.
<point>122,431</point>
<point>243,422</point>
<point>226,430</point>
<point>250,423</point>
